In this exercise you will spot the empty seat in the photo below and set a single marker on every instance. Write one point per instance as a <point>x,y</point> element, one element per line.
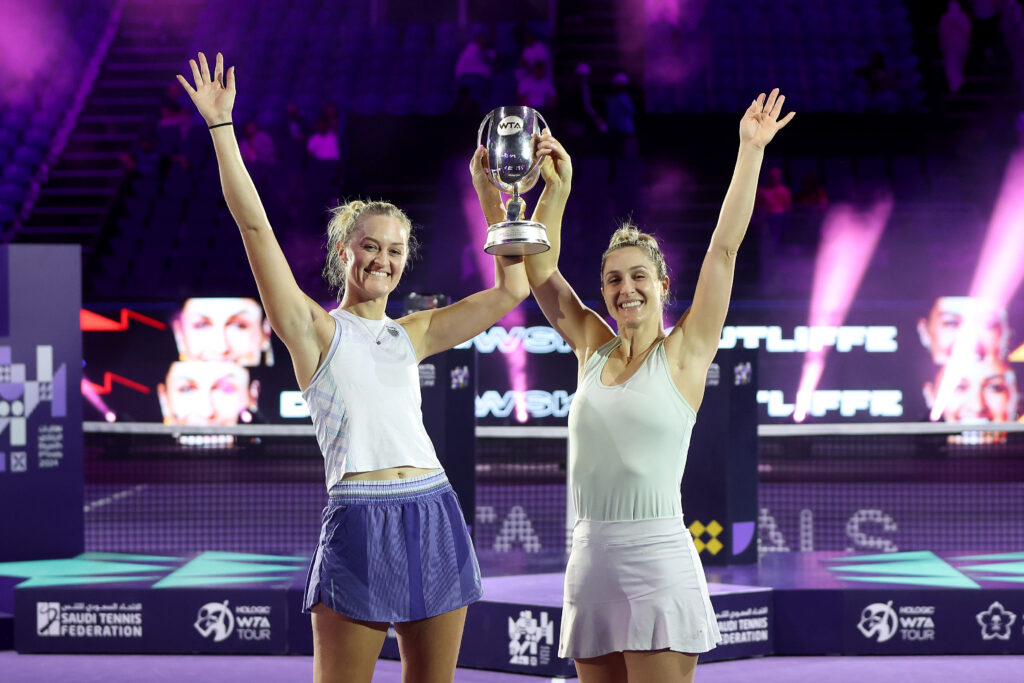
<point>11,193</point>
<point>7,214</point>
<point>28,155</point>
<point>17,174</point>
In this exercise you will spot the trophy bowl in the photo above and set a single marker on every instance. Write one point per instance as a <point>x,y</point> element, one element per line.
<point>508,134</point>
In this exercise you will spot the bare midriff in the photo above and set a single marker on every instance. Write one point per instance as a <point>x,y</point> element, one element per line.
<point>389,473</point>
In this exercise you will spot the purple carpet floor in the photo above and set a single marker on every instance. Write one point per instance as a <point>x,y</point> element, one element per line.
<point>15,668</point>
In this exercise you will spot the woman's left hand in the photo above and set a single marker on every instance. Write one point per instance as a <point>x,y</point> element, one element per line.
<point>555,164</point>
<point>761,121</point>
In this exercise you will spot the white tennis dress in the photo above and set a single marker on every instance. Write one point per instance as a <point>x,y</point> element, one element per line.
<point>634,580</point>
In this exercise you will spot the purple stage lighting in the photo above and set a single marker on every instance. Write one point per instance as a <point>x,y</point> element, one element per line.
<point>997,276</point>
<point>516,359</point>
<point>849,237</point>
<point>90,394</point>
<point>30,36</point>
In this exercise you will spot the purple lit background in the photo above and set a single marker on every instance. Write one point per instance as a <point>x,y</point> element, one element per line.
<point>102,155</point>
<point>922,176</point>
<point>919,180</point>
<point>919,174</point>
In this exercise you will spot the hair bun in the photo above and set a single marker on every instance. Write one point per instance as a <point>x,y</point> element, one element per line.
<point>349,210</point>
<point>630,235</point>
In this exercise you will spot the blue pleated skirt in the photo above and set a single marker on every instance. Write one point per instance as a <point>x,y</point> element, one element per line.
<point>394,550</point>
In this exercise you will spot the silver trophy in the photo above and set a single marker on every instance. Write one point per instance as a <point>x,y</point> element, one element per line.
<point>514,168</point>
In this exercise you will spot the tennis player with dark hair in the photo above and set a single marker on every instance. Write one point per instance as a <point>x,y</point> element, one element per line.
<point>636,602</point>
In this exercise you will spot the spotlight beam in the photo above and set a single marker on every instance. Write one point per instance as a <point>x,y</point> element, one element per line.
<point>997,277</point>
<point>476,226</point>
<point>849,238</point>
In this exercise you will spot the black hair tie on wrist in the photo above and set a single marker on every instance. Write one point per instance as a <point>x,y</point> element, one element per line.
<point>218,125</point>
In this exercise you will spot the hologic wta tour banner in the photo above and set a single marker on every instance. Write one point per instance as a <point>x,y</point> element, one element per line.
<point>215,361</point>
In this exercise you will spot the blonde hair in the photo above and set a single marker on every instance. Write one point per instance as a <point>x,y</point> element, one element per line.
<point>631,236</point>
<point>628,235</point>
<point>345,219</point>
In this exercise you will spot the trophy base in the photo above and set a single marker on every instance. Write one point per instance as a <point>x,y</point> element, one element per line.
<point>516,238</point>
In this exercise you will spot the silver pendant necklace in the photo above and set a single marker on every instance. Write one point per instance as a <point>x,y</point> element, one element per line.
<point>369,330</point>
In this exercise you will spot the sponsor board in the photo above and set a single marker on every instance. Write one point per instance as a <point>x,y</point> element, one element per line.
<point>88,620</point>
<point>41,493</point>
<point>50,621</point>
<point>237,623</point>
<point>745,620</point>
<point>948,621</point>
<point>882,622</point>
<point>150,620</point>
<point>749,625</point>
<point>514,637</point>
<point>219,621</point>
<point>996,622</point>
<point>530,638</point>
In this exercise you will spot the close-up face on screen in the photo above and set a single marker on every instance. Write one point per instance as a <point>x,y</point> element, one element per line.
<point>953,316</point>
<point>983,391</point>
<point>206,393</point>
<point>222,328</point>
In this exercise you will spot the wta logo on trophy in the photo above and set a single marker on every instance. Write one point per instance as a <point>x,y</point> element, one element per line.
<point>510,125</point>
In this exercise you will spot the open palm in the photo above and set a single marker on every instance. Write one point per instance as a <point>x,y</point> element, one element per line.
<point>213,97</point>
<point>761,120</point>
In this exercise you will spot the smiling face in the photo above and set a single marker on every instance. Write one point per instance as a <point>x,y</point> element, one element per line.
<point>375,256</point>
<point>987,392</point>
<point>206,393</point>
<point>631,288</point>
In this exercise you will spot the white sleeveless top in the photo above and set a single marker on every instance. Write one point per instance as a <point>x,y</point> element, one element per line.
<point>628,443</point>
<point>364,400</point>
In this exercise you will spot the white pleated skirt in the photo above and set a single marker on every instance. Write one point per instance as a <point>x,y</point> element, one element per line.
<point>635,585</point>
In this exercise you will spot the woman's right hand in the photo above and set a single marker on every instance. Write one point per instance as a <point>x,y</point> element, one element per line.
<point>480,172</point>
<point>212,96</point>
<point>556,166</point>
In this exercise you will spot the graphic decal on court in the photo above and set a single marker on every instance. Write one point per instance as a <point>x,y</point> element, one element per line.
<point>925,568</point>
<point>159,571</point>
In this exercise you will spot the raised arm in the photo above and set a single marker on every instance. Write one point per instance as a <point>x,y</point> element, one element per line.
<point>701,325</point>
<point>581,327</point>
<point>300,322</point>
<point>433,331</point>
